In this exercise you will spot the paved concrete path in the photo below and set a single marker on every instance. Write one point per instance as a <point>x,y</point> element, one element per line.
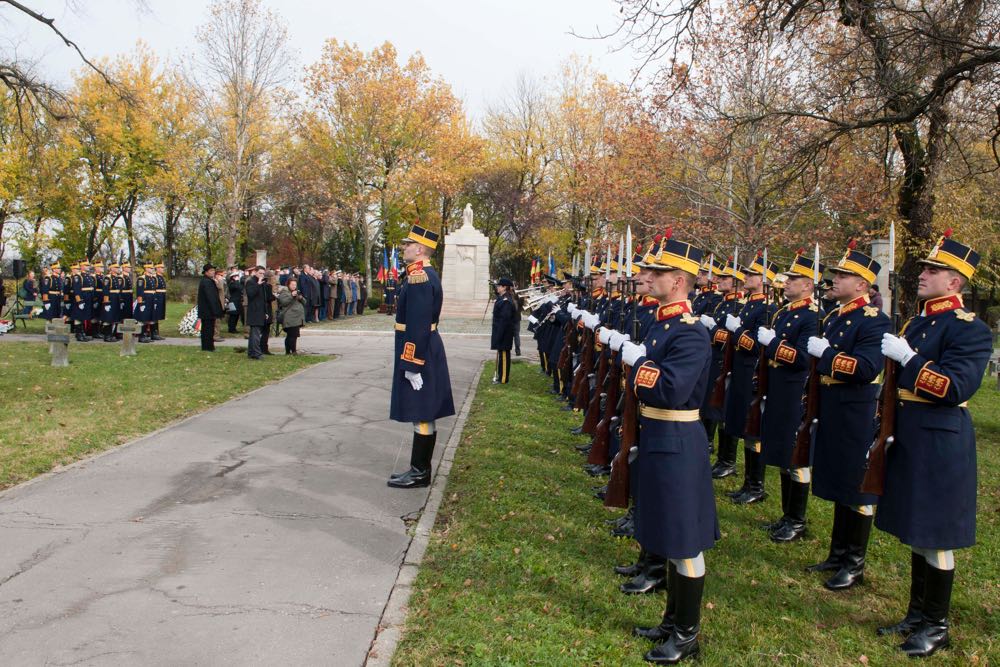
<point>258,533</point>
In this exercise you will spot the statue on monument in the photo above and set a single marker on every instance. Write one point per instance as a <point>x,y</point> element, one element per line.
<point>467,216</point>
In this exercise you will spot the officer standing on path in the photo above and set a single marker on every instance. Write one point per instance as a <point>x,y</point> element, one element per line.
<point>421,385</point>
<point>929,501</point>
<point>675,508</point>
<point>160,302</point>
<point>849,363</point>
<point>504,321</point>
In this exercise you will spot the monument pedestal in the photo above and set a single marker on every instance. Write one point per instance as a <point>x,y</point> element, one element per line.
<point>465,270</point>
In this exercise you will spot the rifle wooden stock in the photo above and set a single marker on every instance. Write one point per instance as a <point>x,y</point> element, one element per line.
<point>755,411</point>
<point>594,406</point>
<point>718,396</point>
<point>617,494</point>
<point>875,467</point>
<point>810,420</point>
<point>602,434</point>
<point>581,383</point>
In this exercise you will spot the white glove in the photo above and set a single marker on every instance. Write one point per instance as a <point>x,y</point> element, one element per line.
<point>733,322</point>
<point>765,335</point>
<point>416,381</point>
<point>708,322</point>
<point>552,298</point>
<point>897,349</point>
<point>604,334</point>
<point>532,319</point>
<point>631,353</point>
<point>571,306</point>
<point>47,306</point>
<point>591,321</point>
<point>617,340</point>
<point>817,346</point>
<point>80,306</point>
<point>141,308</point>
<point>107,308</point>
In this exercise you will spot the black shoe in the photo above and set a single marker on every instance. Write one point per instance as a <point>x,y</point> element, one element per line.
<point>746,476</point>
<point>914,612</point>
<point>652,578</point>
<point>838,542</point>
<point>852,572</point>
<point>583,449</point>
<point>411,479</point>
<point>577,431</point>
<point>145,339</point>
<point>268,352</point>
<point>597,470</point>
<point>662,632</point>
<point>932,633</point>
<point>683,640</point>
<point>632,569</point>
<point>723,469</point>
<point>755,480</point>
<point>793,524</point>
<point>725,463</point>
<point>625,531</point>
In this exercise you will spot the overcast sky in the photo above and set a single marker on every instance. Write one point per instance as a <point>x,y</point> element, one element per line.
<point>479,46</point>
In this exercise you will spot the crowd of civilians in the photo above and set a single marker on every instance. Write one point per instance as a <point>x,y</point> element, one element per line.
<point>264,300</point>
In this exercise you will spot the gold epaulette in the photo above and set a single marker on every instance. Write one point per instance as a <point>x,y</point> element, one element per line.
<point>417,277</point>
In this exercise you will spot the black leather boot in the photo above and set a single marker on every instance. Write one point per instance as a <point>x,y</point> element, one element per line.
<point>914,612</point>
<point>932,633</point>
<point>786,478</point>
<point>746,476</point>
<point>793,525</point>
<point>652,578</point>
<point>683,640</point>
<point>577,431</point>
<point>419,474</point>
<point>852,572</point>
<point>622,519</point>
<point>838,542</point>
<point>710,428</point>
<point>755,476</point>
<point>632,569</point>
<point>156,332</point>
<point>625,530</point>
<point>598,470</point>
<point>661,633</point>
<point>584,449</point>
<point>725,462</point>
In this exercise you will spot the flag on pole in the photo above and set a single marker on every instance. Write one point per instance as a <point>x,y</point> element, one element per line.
<point>552,264</point>
<point>395,265</point>
<point>383,271</point>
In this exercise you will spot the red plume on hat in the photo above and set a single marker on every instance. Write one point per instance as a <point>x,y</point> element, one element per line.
<point>948,233</point>
<point>852,244</point>
<point>668,233</point>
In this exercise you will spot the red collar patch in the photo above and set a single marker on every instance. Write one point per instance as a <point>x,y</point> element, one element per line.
<point>672,310</point>
<point>801,303</point>
<point>650,301</point>
<point>413,267</point>
<point>851,306</point>
<point>757,297</point>
<point>942,304</point>
<point>597,293</point>
<point>731,296</point>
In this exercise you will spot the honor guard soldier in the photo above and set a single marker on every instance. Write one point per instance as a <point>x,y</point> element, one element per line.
<point>390,294</point>
<point>711,415</point>
<point>504,321</point>
<point>159,303</point>
<point>742,326</point>
<point>421,386</point>
<point>96,326</point>
<point>44,285</point>
<point>849,362</point>
<point>111,304</point>
<point>675,507</point>
<point>788,358</point>
<point>67,295</point>
<point>707,296</point>
<point>83,290</point>
<point>145,295</point>
<point>126,294</point>
<point>929,499</point>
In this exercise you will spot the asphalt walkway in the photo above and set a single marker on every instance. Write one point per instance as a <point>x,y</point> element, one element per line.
<point>258,533</point>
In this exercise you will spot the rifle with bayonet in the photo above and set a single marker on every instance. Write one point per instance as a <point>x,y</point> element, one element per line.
<point>610,382</point>
<point>756,409</point>
<point>617,494</point>
<point>810,417</point>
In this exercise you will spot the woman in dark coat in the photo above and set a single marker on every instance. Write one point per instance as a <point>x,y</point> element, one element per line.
<point>209,307</point>
<point>291,314</point>
<point>504,320</point>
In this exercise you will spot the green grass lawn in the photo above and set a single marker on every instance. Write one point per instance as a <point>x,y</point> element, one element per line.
<point>51,416</point>
<point>518,571</point>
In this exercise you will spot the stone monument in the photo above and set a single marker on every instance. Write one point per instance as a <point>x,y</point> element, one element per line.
<point>465,274</point>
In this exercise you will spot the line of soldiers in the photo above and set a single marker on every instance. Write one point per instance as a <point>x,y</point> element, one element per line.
<point>96,303</point>
<point>691,349</point>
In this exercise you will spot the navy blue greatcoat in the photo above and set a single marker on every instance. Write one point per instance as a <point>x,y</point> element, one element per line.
<point>788,361</point>
<point>930,486</point>
<point>675,506</point>
<point>504,321</point>
<point>145,294</point>
<point>847,401</point>
<point>729,303</point>
<point>754,314</point>
<point>419,349</point>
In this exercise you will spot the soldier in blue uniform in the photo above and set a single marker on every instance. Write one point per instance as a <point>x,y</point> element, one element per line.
<point>44,285</point>
<point>94,326</point>
<point>707,295</point>
<point>755,312</point>
<point>390,294</point>
<point>788,361</point>
<point>145,296</point>
<point>929,501</point>
<point>108,309</point>
<point>83,290</point>
<point>730,279</point>
<point>67,295</point>
<point>504,321</point>
<point>125,304</point>
<point>421,386</point>
<point>849,362</point>
<point>675,508</point>
<point>159,303</point>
